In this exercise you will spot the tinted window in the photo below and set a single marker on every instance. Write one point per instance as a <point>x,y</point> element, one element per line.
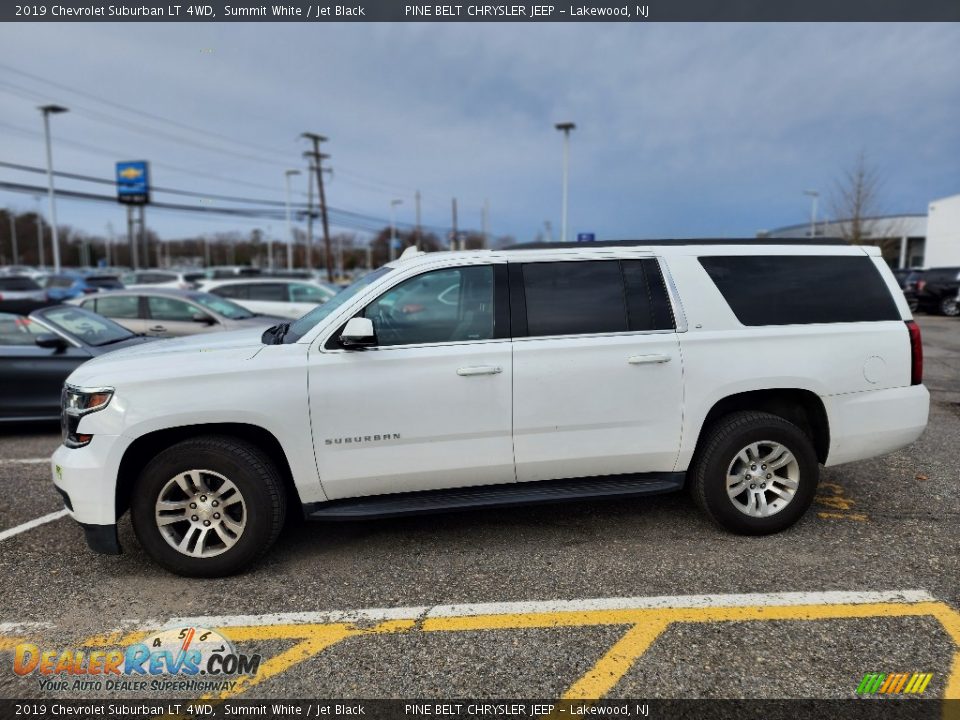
<point>237,292</point>
<point>123,306</point>
<point>574,298</point>
<point>105,281</point>
<point>648,305</point>
<point>18,283</point>
<point>450,305</point>
<point>791,289</point>
<point>171,309</point>
<point>308,293</point>
<point>276,292</point>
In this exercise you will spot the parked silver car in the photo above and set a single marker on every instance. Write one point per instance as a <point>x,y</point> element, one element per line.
<point>167,312</point>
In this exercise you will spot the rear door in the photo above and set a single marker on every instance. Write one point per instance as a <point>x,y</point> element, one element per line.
<point>124,310</point>
<point>597,369</point>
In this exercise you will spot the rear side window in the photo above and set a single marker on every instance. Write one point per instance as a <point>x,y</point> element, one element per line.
<point>122,306</point>
<point>237,292</point>
<point>595,296</point>
<point>801,289</point>
<point>275,292</point>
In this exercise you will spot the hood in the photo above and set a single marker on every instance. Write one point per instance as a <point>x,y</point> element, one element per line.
<point>168,358</point>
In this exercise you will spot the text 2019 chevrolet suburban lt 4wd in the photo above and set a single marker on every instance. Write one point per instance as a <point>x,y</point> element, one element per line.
<point>475,379</point>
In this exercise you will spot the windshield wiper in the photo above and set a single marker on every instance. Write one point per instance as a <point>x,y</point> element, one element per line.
<point>115,340</point>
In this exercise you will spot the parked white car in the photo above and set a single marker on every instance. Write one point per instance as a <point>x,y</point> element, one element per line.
<point>283,297</point>
<point>734,368</point>
<point>187,280</point>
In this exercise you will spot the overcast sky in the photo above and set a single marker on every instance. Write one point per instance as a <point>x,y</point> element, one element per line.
<point>682,130</point>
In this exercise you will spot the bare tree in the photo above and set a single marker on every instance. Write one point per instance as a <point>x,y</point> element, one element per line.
<point>855,204</point>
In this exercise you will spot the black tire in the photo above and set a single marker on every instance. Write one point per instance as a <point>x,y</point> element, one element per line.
<point>948,306</point>
<point>719,447</point>
<point>913,304</point>
<point>248,468</point>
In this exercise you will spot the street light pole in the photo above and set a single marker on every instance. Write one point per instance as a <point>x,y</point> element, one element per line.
<point>286,176</point>
<point>565,128</point>
<point>813,195</point>
<point>47,111</point>
<point>393,228</point>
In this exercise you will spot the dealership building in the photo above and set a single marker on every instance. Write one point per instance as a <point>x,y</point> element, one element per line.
<point>914,240</point>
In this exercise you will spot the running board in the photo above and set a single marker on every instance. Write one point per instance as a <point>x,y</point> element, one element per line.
<point>488,496</point>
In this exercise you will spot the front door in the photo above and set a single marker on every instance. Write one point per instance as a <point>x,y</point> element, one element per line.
<point>429,406</point>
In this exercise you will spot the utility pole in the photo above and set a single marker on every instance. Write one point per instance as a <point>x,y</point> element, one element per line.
<point>565,128</point>
<point>47,111</point>
<point>455,240</point>
<point>484,220</point>
<point>310,174</point>
<point>318,158</point>
<point>393,229</point>
<point>286,176</point>
<point>417,199</point>
<point>13,237</point>
<point>108,245</point>
<point>132,240</point>
<point>813,195</point>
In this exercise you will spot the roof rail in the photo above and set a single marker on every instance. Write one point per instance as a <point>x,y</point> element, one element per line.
<point>676,241</point>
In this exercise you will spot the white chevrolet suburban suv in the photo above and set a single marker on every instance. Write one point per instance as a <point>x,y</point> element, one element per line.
<point>476,379</point>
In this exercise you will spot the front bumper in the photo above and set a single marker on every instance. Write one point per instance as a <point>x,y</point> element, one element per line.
<point>86,478</point>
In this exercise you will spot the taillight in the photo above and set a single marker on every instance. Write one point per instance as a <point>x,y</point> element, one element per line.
<point>916,353</point>
<point>921,284</point>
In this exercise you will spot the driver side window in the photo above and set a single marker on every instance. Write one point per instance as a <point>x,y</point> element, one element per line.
<point>449,305</point>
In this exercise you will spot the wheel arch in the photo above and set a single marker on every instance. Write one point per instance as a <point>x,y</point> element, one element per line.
<point>803,408</point>
<point>142,450</point>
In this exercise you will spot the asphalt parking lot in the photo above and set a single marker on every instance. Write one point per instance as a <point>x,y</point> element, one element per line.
<point>643,598</point>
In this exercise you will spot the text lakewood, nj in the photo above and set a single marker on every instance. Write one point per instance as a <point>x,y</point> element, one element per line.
<point>529,11</point>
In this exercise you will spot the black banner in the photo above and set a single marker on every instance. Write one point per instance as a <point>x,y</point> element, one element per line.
<point>513,11</point>
<point>859,709</point>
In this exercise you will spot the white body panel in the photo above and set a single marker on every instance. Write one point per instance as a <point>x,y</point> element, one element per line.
<point>438,427</point>
<point>581,408</point>
<point>558,407</point>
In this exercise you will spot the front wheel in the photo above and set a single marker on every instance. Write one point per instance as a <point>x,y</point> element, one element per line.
<point>208,507</point>
<point>755,474</point>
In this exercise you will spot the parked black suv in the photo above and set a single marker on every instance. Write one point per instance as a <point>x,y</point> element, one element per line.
<point>937,291</point>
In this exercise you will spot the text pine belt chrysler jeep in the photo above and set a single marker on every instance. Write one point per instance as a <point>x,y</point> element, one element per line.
<point>472,379</point>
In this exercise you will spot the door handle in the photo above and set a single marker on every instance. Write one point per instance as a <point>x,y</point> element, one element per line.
<point>479,370</point>
<point>647,359</point>
<point>158,328</point>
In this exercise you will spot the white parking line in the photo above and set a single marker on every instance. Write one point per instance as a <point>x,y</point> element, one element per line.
<point>32,524</point>
<point>553,606</point>
<point>25,461</point>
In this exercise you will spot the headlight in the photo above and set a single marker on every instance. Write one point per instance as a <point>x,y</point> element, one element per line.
<point>75,403</point>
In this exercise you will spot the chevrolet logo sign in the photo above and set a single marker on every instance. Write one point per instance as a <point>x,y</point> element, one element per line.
<point>130,173</point>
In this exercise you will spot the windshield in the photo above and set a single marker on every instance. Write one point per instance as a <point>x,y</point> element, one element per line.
<point>301,327</point>
<point>221,306</point>
<point>84,325</point>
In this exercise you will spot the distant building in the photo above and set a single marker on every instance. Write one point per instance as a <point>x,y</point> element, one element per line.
<point>911,240</point>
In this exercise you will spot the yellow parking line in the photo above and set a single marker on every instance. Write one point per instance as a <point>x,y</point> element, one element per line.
<point>603,676</point>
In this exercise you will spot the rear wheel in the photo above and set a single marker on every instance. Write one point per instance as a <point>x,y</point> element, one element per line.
<point>755,473</point>
<point>949,307</point>
<point>208,507</point>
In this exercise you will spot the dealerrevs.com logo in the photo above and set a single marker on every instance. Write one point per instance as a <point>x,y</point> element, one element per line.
<point>180,659</point>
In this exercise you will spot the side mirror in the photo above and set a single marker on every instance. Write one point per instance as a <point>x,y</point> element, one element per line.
<point>51,342</point>
<point>203,318</point>
<point>358,333</point>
